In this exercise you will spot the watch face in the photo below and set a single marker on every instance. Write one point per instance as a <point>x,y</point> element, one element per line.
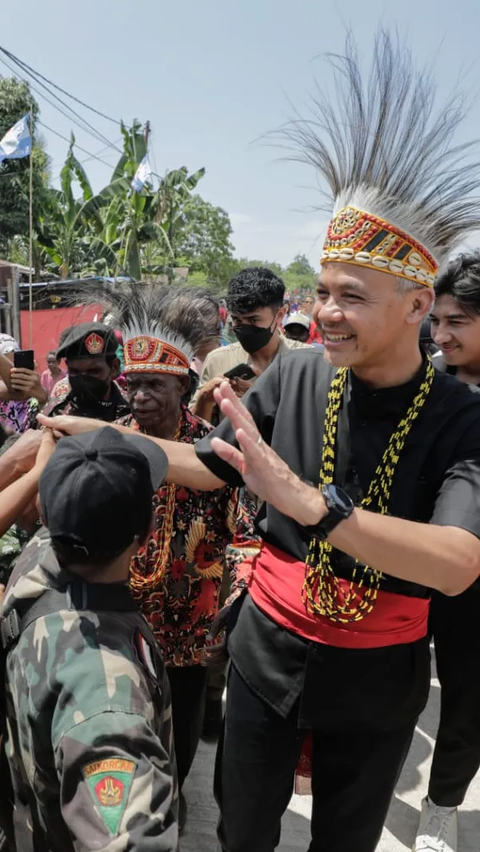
<point>341,500</point>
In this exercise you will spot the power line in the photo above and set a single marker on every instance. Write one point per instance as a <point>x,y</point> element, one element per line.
<point>100,135</point>
<point>66,139</point>
<point>78,101</point>
<point>102,150</point>
<point>87,129</point>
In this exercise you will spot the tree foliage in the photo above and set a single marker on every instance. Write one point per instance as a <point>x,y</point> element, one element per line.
<point>117,232</point>
<point>16,101</point>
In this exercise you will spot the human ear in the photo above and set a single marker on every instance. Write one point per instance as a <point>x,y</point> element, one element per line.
<point>421,304</point>
<point>115,368</point>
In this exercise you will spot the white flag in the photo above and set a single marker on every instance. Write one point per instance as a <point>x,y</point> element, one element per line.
<point>142,174</point>
<point>17,142</point>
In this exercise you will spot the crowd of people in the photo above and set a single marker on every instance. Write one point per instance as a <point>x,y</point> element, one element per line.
<point>289,519</point>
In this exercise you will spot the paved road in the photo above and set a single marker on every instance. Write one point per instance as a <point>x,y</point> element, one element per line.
<point>399,833</point>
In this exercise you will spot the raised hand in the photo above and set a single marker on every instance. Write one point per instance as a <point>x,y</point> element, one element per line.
<point>262,470</point>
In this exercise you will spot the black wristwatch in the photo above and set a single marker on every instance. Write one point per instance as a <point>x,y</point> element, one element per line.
<point>340,506</point>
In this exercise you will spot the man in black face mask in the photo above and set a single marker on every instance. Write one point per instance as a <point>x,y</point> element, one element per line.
<point>255,300</point>
<point>90,353</point>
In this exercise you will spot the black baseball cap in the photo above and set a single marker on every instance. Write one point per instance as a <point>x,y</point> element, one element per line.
<point>96,491</point>
<point>88,340</point>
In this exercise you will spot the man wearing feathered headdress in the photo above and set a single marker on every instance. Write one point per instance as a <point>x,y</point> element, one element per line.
<point>368,462</point>
<point>176,578</point>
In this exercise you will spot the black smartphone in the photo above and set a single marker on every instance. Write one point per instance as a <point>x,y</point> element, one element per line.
<point>241,371</point>
<point>24,359</point>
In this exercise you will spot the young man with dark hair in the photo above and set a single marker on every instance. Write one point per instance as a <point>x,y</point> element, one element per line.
<point>455,329</point>
<point>89,739</point>
<point>255,300</point>
<point>455,321</point>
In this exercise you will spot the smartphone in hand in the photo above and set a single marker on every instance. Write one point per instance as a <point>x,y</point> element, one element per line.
<point>241,371</point>
<point>24,359</point>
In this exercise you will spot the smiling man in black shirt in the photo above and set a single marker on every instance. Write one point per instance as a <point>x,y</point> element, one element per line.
<point>455,329</point>
<point>369,466</point>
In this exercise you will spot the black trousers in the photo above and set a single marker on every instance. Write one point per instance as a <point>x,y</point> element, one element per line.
<point>353,779</point>
<point>188,685</point>
<point>455,626</point>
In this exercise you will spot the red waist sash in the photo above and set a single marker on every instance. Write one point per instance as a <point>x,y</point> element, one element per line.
<point>276,588</point>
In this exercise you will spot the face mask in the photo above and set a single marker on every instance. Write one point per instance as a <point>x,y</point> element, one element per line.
<point>253,337</point>
<point>88,387</point>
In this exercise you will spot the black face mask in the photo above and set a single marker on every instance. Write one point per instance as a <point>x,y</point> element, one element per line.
<point>253,337</point>
<point>88,388</point>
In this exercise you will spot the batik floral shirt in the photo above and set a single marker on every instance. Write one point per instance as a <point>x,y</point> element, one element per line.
<point>20,415</point>
<point>182,606</point>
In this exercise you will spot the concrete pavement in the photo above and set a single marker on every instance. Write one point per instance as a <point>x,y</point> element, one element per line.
<point>402,821</point>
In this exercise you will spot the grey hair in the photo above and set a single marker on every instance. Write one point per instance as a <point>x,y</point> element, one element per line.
<point>403,285</point>
<point>381,144</point>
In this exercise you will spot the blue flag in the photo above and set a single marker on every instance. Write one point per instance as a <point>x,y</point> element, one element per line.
<point>142,174</point>
<point>17,142</point>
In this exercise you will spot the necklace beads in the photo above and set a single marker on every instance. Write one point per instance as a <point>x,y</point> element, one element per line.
<point>323,593</point>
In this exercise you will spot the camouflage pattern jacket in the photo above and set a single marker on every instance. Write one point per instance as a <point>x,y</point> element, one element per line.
<point>89,739</point>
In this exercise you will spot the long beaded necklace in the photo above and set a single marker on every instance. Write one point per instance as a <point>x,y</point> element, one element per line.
<point>140,582</point>
<point>322,591</point>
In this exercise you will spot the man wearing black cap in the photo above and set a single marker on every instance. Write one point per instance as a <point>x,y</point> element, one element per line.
<point>89,741</point>
<point>90,350</point>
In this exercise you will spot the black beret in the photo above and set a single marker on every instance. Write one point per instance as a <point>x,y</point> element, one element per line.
<point>87,341</point>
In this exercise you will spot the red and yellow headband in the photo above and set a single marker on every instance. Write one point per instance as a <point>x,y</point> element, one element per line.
<point>145,354</point>
<point>355,236</point>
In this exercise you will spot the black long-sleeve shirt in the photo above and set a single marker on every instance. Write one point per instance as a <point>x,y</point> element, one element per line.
<point>437,480</point>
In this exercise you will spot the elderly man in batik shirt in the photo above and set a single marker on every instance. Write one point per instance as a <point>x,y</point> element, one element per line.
<point>177,577</point>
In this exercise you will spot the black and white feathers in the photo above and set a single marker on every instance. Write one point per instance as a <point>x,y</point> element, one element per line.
<point>381,143</point>
<point>166,312</point>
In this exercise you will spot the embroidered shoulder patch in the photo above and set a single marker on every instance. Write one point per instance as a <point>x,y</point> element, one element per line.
<point>109,782</point>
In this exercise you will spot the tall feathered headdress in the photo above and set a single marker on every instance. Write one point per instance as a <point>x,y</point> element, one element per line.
<point>161,325</point>
<point>402,191</point>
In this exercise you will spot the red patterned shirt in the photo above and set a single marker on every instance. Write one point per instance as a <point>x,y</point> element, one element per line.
<point>181,606</point>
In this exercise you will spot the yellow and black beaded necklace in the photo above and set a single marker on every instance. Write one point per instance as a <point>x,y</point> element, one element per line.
<point>322,591</point>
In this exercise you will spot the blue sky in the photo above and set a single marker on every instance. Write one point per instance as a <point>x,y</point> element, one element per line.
<point>213,77</point>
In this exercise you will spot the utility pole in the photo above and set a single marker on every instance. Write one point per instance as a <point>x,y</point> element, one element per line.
<point>30,238</point>
<point>147,132</point>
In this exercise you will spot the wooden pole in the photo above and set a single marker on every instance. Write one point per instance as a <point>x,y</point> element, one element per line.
<point>30,241</point>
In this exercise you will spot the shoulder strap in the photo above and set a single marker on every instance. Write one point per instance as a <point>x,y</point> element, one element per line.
<point>74,596</point>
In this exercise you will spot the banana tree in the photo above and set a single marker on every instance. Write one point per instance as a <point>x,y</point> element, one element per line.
<point>116,231</point>
<point>174,191</point>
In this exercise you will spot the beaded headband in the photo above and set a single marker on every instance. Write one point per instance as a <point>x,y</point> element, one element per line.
<point>150,355</point>
<point>355,236</point>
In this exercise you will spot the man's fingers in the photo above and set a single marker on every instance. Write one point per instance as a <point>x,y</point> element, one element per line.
<point>48,437</point>
<point>253,451</point>
<point>228,454</point>
<point>56,424</point>
<point>234,409</point>
<point>225,391</point>
<point>48,422</point>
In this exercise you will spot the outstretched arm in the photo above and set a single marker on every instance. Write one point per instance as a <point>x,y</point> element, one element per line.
<point>446,558</point>
<point>185,468</point>
<point>15,497</point>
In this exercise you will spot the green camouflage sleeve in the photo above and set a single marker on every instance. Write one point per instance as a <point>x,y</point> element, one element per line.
<point>117,785</point>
